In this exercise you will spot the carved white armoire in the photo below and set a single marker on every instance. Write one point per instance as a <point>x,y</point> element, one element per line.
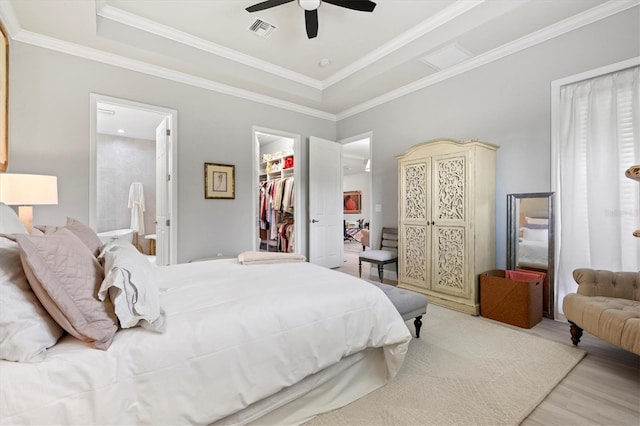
<point>446,215</point>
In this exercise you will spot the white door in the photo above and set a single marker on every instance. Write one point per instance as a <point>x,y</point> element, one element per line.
<point>325,203</point>
<point>163,143</point>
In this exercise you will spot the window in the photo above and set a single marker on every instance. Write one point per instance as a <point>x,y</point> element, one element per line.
<point>597,140</point>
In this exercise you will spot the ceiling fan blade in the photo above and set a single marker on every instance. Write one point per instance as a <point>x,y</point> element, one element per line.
<point>266,5</point>
<point>311,21</point>
<point>361,5</point>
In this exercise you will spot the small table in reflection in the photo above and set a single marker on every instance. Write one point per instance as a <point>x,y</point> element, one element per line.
<point>152,243</point>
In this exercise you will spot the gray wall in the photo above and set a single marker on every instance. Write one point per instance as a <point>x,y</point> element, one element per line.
<point>506,102</point>
<point>49,134</point>
<point>120,161</point>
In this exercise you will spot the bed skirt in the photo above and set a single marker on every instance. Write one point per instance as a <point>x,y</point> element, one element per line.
<point>334,387</point>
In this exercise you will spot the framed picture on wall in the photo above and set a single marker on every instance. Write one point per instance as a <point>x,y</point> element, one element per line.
<point>219,181</point>
<point>351,202</point>
<point>4,100</point>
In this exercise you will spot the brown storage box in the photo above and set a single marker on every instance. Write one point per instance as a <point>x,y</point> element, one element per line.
<point>513,301</point>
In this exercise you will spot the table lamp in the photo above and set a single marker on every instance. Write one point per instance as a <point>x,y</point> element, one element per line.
<point>26,191</point>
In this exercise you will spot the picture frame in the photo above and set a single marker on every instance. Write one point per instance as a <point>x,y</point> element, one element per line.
<point>4,100</point>
<point>351,202</point>
<point>219,181</point>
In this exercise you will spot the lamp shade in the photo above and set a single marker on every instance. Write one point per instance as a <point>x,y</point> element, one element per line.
<point>28,190</point>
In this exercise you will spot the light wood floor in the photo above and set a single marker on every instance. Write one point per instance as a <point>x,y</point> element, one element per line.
<point>603,389</point>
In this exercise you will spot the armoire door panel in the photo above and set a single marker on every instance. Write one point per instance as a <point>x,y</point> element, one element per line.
<point>449,257</point>
<point>415,255</point>
<point>449,188</point>
<point>415,184</point>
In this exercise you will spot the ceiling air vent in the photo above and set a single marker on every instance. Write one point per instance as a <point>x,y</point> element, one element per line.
<point>262,28</point>
<point>446,57</point>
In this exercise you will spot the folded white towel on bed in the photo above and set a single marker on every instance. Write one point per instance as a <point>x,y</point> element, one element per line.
<point>258,257</point>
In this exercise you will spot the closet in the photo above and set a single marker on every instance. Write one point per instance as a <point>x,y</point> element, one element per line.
<point>446,215</point>
<point>276,195</point>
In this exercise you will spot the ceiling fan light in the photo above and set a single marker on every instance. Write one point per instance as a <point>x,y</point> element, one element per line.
<point>309,4</point>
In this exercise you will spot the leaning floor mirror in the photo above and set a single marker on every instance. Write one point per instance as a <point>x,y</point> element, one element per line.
<point>530,239</point>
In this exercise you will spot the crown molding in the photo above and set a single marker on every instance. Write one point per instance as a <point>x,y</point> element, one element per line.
<point>162,72</point>
<point>585,18</point>
<point>9,18</point>
<point>447,15</point>
<point>570,24</point>
<point>143,24</point>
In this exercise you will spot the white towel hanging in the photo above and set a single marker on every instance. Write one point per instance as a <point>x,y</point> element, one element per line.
<point>136,204</point>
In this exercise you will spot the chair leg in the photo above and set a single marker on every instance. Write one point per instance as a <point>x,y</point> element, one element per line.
<point>418,324</point>
<point>576,333</point>
<point>360,268</point>
<point>380,271</point>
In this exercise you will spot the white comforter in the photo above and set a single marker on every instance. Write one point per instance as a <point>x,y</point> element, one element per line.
<point>235,334</point>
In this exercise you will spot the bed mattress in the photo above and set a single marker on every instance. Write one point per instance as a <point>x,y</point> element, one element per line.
<point>236,334</point>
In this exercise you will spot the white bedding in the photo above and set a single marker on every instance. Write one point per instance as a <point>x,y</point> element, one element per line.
<point>235,334</point>
<point>533,253</point>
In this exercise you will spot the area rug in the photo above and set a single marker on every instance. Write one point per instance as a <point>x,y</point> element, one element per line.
<point>463,370</point>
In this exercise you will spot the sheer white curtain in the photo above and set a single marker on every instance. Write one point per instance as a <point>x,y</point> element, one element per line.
<point>599,138</point>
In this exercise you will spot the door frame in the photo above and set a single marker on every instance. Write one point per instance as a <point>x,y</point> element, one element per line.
<point>298,223</point>
<point>172,115</point>
<point>373,237</point>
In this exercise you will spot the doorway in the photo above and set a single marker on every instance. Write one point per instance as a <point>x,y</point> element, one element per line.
<point>125,171</point>
<point>278,225</point>
<point>357,199</point>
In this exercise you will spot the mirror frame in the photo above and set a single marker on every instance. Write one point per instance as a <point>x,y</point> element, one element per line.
<point>4,100</point>
<point>512,242</point>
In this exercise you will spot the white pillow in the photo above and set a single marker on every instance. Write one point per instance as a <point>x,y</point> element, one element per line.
<point>9,221</point>
<point>537,220</point>
<point>26,329</point>
<point>131,285</point>
<point>535,234</point>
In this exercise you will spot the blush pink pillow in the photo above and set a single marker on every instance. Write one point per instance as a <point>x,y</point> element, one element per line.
<point>87,235</point>
<point>65,276</point>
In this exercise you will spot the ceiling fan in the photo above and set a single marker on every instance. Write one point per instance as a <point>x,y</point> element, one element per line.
<point>311,9</point>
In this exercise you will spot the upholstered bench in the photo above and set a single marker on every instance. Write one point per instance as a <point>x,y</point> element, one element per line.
<point>408,303</point>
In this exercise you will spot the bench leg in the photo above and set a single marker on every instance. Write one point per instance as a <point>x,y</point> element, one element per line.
<point>418,324</point>
<point>576,333</point>
<point>360,268</point>
<point>380,271</point>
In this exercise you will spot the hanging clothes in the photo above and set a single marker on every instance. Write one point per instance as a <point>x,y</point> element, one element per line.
<point>136,204</point>
<point>276,212</point>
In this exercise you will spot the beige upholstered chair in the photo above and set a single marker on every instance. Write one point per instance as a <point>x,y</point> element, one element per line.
<point>606,305</point>
<point>388,252</point>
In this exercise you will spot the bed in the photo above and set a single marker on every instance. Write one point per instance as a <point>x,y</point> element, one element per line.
<point>273,343</point>
<point>533,248</point>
